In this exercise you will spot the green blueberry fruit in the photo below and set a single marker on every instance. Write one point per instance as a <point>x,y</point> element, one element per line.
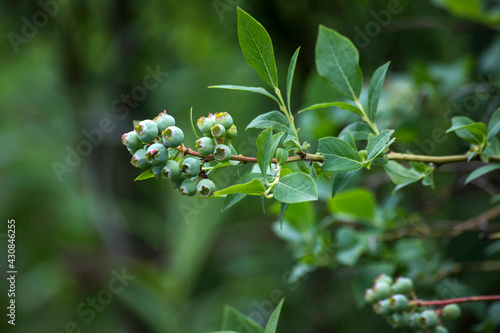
<point>428,319</point>
<point>146,130</point>
<point>171,170</point>
<point>382,307</point>
<point>156,170</point>
<point>224,119</point>
<point>206,187</point>
<point>191,167</point>
<point>402,286</point>
<point>157,154</point>
<point>164,120</point>
<point>381,290</point>
<point>139,159</point>
<point>232,132</point>
<point>222,153</point>
<point>218,131</point>
<point>439,329</point>
<point>399,320</point>
<point>205,146</point>
<point>398,303</point>
<point>451,312</point>
<point>370,296</point>
<point>132,142</point>
<point>205,124</point>
<point>188,188</point>
<point>172,136</point>
<point>177,181</point>
<point>384,278</point>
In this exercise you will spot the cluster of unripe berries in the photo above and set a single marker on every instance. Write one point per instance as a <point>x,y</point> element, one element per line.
<point>156,144</point>
<point>390,299</point>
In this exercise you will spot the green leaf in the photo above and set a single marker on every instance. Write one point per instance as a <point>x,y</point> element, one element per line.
<point>400,175</point>
<point>254,187</point>
<point>276,119</point>
<point>272,323</point>
<point>258,90</point>
<point>145,175</point>
<point>481,172</point>
<point>233,199</point>
<point>494,124</point>
<point>357,203</point>
<point>264,146</point>
<point>377,145</point>
<point>350,256</point>
<point>341,179</point>
<point>257,47</point>
<point>375,89</point>
<point>337,63</point>
<point>358,129</point>
<point>234,320</point>
<point>468,130</point>
<point>339,155</point>
<point>492,149</point>
<point>281,155</point>
<point>289,77</point>
<point>347,137</point>
<point>295,187</point>
<point>342,105</point>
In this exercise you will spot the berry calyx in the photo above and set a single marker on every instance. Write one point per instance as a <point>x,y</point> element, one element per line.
<point>206,187</point>
<point>451,312</point>
<point>157,154</point>
<point>173,136</point>
<point>191,167</point>
<point>171,170</point>
<point>205,146</point>
<point>139,159</point>
<point>164,120</point>
<point>188,188</point>
<point>147,130</point>
<point>218,131</point>
<point>222,153</point>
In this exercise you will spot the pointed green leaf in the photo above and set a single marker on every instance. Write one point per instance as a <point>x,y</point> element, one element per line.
<point>289,77</point>
<point>145,175</point>
<point>339,155</point>
<point>258,90</point>
<point>337,63</point>
<point>234,320</point>
<point>233,199</point>
<point>400,175</point>
<point>347,137</point>
<point>468,130</point>
<point>276,119</point>
<point>254,187</point>
<point>264,145</point>
<point>342,105</point>
<point>375,89</point>
<point>377,145</point>
<point>295,187</point>
<point>358,203</point>
<point>257,47</point>
<point>481,172</point>
<point>358,129</point>
<point>272,323</point>
<point>341,179</point>
<point>494,124</point>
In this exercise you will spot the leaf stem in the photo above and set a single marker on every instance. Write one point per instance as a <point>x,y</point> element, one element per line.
<point>365,117</point>
<point>289,116</point>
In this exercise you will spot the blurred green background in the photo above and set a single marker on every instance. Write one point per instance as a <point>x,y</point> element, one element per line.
<point>74,79</point>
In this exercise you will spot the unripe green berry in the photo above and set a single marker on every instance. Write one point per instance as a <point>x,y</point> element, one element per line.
<point>132,142</point>
<point>399,320</point>
<point>206,187</point>
<point>414,320</point>
<point>177,181</point>
<point>191,167</point>
<point>384,278</point>
<point>232,132</point>
<point>139,159</point>
<point>164,120</point>
<point>222,153</point>
<point>156,171</point>
<point>370,296</point>
<point>382,307</point>
<point>428,319</point>
<point>439,329</point>
<point>171,170</point>
<point>398,303</point>
<point>218,131</point>
<point>146,130</point>
<point>381,290</point>
<point>402,286</point>
<point>157,154</point>
<point>172,136</point>
<point>205,124</point>
<point>188,187</point>
<point>451,312</point>
<point>205,146</point>
<point>224,119</point>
